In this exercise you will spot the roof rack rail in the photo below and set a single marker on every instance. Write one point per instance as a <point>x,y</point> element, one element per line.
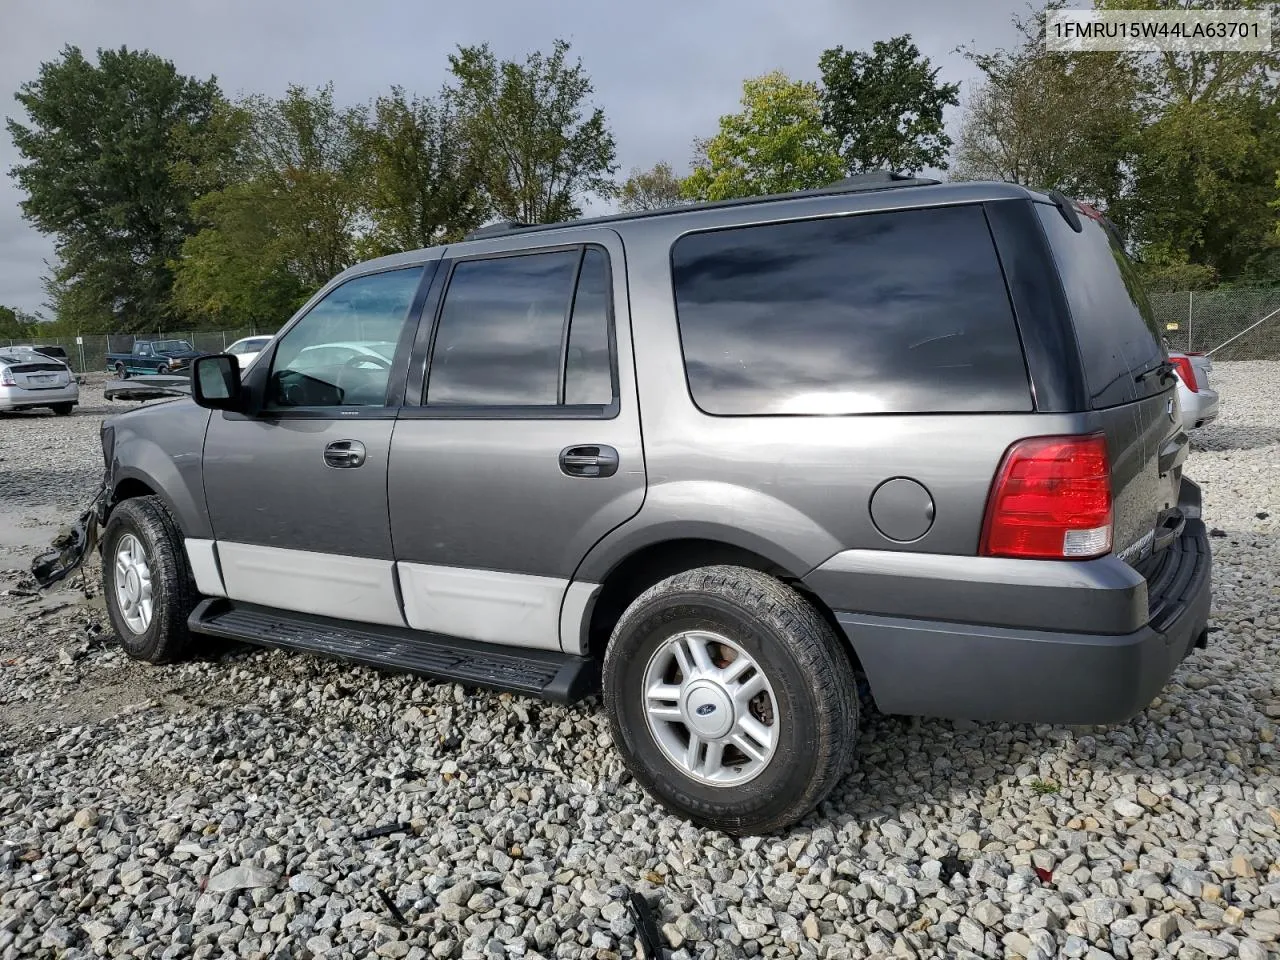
<point>494,229</point>
<point>872,180</point>
<point>878,178</point>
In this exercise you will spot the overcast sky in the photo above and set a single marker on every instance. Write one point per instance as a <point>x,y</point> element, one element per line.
<point>664,70</point>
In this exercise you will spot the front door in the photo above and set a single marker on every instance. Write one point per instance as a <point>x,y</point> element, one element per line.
<point>297,494</point>
<point>518,446</point>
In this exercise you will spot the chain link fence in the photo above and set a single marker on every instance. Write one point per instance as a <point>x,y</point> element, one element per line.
<point>88,353</point>
<point>1235,324</point>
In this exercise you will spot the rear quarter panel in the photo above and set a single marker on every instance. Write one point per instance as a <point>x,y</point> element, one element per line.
<point>794,489</point>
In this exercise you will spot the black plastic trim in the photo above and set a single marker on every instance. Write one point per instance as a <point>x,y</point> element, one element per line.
<point>583,411</point>
<point>553,676</point>
<point>1067,209</point>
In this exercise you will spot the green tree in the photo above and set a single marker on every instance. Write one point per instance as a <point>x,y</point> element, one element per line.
<point>1171,77</point>
<point>240,270</point>
<point>544,147</point>
<point>15,324</point>
<point>99,145</point>
<point>885,107</point>
<point>288,221</point>
<point>1204,183</point>
<point>775,144</point>
<point>1205,160</point>
<point>1051,120</point>
<point>423,181</point>
<point>306,148</point>
<point>650,189</point>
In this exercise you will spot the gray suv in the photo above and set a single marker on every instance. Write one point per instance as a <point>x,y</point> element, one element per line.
<point>714,462</point>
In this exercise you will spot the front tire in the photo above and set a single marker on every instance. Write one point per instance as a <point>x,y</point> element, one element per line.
<point>731,699</point>
<point>146,581</point>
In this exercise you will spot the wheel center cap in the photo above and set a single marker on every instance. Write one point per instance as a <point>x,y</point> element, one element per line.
<point>708,709</point>
<point>131,585</point>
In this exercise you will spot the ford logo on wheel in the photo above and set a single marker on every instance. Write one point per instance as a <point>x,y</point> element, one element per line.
<point>706,710</point>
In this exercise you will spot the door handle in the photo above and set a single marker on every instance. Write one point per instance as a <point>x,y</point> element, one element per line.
<point>344,453</point>
<point>589,461</point>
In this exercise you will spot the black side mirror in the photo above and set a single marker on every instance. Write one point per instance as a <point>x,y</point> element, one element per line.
<point>215,382</point>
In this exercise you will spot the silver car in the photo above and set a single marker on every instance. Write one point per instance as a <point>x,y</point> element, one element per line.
<point>30,380</point>
<point>712,462</point>
<point>1197,400</point>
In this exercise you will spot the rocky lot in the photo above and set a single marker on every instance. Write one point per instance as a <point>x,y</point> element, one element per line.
<point>261,804</point>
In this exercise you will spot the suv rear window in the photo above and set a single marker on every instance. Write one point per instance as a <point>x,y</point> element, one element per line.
<point>1114,323</point>
<point>901,312</point>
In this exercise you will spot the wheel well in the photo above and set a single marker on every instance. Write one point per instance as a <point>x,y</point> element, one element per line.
<point>129,488</point>
<point>652,564</point>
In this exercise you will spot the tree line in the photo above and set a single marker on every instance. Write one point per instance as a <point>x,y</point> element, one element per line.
<point>174,206</point>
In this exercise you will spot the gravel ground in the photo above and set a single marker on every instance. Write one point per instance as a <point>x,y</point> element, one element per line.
<point>221,807</point>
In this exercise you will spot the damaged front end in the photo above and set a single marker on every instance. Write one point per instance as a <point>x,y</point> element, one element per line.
<point>72,544</point>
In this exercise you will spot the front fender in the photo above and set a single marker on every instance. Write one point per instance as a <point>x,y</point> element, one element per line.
<point>719,512</point>
<point>161,447</point>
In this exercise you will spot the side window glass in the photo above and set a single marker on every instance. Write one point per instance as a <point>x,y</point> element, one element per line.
<point>500,331</point>
<point>340,353</point>
<point>902,312</point>
<point>588,370</point>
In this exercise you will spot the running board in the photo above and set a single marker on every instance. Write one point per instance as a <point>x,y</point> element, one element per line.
<point>539,673</point>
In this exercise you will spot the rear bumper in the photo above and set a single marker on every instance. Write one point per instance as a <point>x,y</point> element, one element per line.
<point>1200,409</point>
<point>944,668</point>
<point>20,398</point>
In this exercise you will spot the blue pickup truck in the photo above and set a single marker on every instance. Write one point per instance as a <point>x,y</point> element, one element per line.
<point>153,356</point>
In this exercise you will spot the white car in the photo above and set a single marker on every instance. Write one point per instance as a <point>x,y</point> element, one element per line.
<point>29,380</point>
<point>247,349</point>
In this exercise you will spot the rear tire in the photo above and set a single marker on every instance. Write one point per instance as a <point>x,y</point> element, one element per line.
<point>122,372</point>
<point>794,752</point>
<point>63,409</point>
<point>146,581</point>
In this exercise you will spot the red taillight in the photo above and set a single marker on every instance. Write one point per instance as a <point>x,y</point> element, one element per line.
<point>1183,368</point>
<point>1051,500</point>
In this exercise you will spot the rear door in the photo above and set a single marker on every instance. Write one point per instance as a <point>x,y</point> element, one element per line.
<point>518,446</point>
<point>1128,383</point>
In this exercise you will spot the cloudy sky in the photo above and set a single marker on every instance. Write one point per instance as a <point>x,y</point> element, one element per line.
<point>664,70</point>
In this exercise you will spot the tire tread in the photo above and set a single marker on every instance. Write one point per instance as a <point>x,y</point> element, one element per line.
<point>169,638</point>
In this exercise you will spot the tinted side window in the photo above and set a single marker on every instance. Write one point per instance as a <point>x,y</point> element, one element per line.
<point>340,353</point>
<point>1114,322</point>
<point>588,369</point>
<point>902,312</point>
<point>498,342</point>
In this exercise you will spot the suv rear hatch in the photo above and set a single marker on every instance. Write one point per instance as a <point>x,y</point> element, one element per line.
<point>1130,382</point>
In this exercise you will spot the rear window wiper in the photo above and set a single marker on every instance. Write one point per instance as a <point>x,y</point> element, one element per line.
<point>1162,369</point>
